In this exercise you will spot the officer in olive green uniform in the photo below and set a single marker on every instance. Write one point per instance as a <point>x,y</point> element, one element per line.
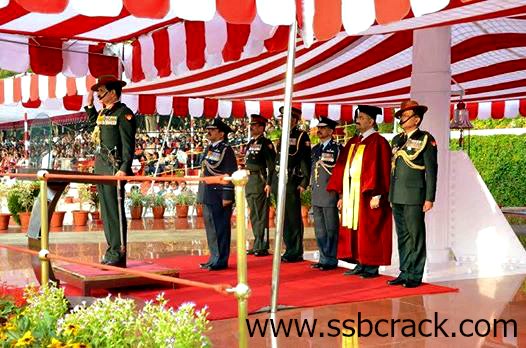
<point>413,186</point>
<point>298,173</point>
<point>114,137</point>
<point>260,162</point>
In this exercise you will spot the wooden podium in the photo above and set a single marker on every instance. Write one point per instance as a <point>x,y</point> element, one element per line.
<point>85,278</point>
<point>55,189</point>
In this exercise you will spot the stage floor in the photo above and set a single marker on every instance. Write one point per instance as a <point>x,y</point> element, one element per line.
<point>484,298</point>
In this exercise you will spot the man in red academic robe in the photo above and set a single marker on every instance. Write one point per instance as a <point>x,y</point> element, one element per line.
<point>361,177</point>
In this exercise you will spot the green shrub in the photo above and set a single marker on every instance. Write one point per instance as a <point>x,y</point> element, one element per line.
<point>518,122</point>
<point>522,238</point>
<point>501,161</point>
<point>21,198</point>
<point>137,199</point>
<point>306,198</point>
<point>185,198</point>
<point>157,200</point>
<point>109,322</point>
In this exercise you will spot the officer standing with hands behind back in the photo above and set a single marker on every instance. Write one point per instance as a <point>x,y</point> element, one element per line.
<point>114,138</point>
<point>260,162</point>
<point>217,199</point>
<point>298,174</point>
<point>413,186</point>
<point>324,203</point>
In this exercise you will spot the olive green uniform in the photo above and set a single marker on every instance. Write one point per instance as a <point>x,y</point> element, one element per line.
<point>298,173</point>
<point>413,181</point>
<point>260,162</point>
<point>116,146</point>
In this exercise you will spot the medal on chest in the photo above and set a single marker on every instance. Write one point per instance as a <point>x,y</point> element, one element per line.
<point>107,120</point>
<point>213,156</point>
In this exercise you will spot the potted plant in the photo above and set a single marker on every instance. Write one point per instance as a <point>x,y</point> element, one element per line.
<point>136,203</point>
<point>158,202</point>
<point>4,218</point>
<point>305,199</point>
<point>198,209</point>
<point>80,217</point>
<point>183,201</point>
<point>57,218</point>
<point>94,199</point>
<point>20,201</point>
<point>272,208</point>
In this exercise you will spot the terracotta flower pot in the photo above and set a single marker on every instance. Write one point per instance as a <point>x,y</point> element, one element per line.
<point>24,219</point>
<point>57,219</point>
<point>304,211</point>
<point>272,212</point>
<point>136,212</point>
<point>181,210</point>
<point>158,212</point>
<point>68,200</point>
<point>80,218</point>
<point>199,210</point>
<point>95,215</point>
<point>4,221</point>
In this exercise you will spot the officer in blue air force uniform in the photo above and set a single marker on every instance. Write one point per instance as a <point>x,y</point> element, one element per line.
<point>217,199</point>
<point>324,203</point>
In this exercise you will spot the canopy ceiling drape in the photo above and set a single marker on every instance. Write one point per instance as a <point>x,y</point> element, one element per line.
<point>209,57</point>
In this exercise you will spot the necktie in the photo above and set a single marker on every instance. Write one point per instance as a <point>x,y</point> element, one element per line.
<point>360,138</point>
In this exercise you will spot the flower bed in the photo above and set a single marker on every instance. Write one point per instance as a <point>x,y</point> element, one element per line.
<point>42,319</point>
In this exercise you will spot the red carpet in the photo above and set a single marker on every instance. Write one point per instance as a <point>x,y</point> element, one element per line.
<point>300,286</point>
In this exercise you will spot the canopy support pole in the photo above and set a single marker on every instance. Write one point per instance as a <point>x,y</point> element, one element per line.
<point>160,153</point>
<point>283,160</point>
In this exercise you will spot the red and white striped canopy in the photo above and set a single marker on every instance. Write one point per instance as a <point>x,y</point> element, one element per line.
<point>487,60</point>
<point>189,57</point>
<point>201,33</point>
<point>52,94</point>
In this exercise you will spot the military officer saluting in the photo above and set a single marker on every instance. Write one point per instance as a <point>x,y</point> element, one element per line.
<point>413,186</point>
<point>298,169</point>
<point>260,162</point>
<point>114,136</point>
<point>324,203</point>
<point>217,199</point>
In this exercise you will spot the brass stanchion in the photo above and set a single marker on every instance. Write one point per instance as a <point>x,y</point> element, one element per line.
<point>44,228</point>
<point>242,291</point>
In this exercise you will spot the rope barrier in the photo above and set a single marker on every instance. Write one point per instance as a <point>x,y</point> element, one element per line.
<point>221,288</point>
<point>220,179</point>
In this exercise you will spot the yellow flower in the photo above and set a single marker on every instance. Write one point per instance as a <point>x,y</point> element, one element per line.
<point>71,329</point>
<point>26,340</point>
<point>3,336</point>
<point>56,344</point>
<point>10,326</point>
<point>77,345</point>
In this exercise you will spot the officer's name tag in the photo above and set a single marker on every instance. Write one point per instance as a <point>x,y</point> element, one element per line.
<point>107,121</point>
<point>213,156</point>
<point>255,147</point>
<point>327,157</point>
<point>293,141</point>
